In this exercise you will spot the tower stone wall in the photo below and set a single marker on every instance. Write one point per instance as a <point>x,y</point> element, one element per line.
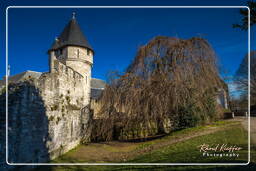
<point>76,58</point>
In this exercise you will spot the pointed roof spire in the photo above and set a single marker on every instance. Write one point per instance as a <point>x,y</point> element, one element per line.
<point>71,35</point>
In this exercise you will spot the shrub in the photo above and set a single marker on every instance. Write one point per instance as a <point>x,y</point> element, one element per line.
<point>189,116</point>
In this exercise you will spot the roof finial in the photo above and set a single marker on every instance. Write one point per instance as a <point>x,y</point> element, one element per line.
<point>73,15</point>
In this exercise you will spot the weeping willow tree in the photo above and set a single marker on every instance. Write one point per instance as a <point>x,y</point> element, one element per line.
<point>171,83</point>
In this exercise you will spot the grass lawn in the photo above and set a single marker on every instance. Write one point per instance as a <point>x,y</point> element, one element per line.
<point>180,146</point>
<point>187,151</point>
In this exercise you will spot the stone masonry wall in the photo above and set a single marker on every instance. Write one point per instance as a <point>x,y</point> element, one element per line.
<point>65,97</point>
<point>81,60</point>
<point>47,116</point>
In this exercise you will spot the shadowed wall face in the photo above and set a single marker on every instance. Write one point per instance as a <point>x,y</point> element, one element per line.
<point>28,124</point>
<point>46,117</point>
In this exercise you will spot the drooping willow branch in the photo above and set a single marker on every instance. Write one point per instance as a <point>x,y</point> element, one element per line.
<point>170,79</point>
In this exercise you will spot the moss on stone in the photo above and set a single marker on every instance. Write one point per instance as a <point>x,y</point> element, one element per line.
<point>51,118</point>
<point>54,107</point>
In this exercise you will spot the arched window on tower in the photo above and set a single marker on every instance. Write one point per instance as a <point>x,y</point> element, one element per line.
<point>88,52</point>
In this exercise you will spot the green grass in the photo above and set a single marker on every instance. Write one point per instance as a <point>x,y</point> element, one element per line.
<point>182,152</point>
<point>187,151</point>
<point>189,131</point>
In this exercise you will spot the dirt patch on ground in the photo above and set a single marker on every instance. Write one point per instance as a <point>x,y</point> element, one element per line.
<point>103,152</point>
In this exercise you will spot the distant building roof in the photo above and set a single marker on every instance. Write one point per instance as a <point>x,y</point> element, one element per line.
<point>71,35</point>
<point>97,87</point>
<point>21,77</point>
<point>97,83</point>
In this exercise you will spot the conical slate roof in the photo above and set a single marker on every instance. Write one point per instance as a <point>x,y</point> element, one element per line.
<point>71,35</point>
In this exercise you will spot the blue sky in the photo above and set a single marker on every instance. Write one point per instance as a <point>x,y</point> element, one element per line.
<point>116,34</point>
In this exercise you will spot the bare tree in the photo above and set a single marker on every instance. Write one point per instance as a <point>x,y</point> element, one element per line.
<point>171,83</point>
<point>241,77</point>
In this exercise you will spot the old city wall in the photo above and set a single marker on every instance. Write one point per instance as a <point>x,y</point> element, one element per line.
<point>47,116</point>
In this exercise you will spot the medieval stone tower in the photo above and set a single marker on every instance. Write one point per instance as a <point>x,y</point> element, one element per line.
<point>73,50</point>
<point>52,109</point>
